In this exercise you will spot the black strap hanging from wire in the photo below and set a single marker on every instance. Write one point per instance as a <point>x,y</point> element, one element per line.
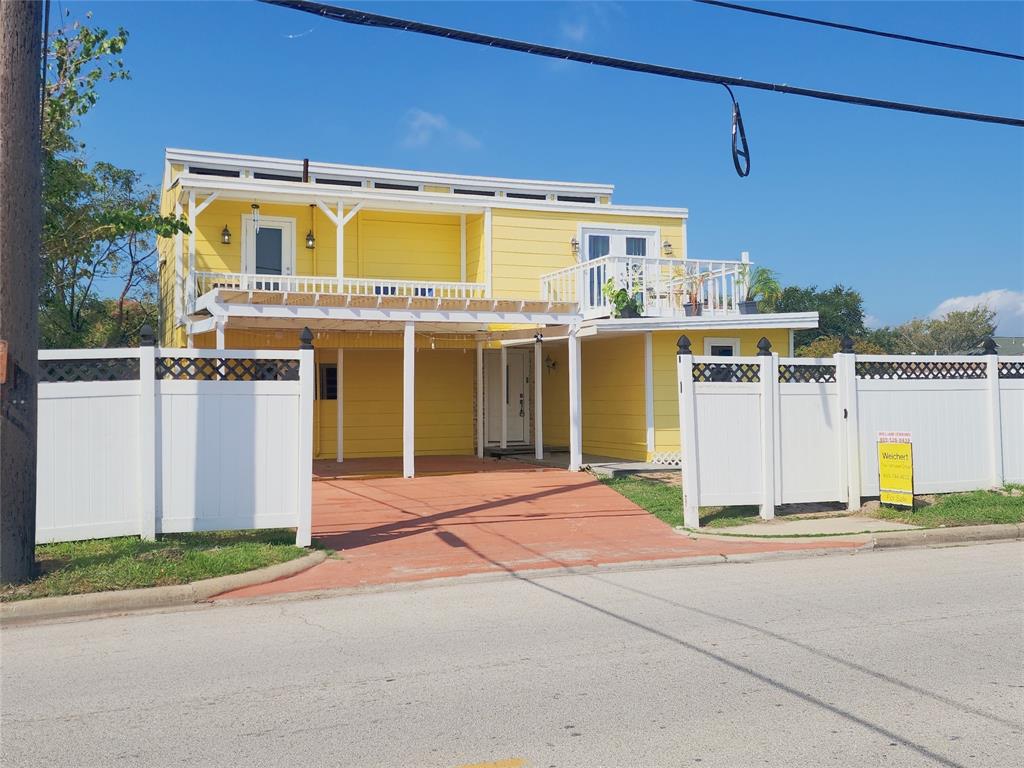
<point>740,148</point>
<point>862,30</point>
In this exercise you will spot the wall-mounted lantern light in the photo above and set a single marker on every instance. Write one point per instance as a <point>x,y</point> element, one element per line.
<point>225,235</point>
<point>667,248</point>
<point>310,240</point>
<point>256,218</point>
<point>550,364</point>
<point>575,245</point>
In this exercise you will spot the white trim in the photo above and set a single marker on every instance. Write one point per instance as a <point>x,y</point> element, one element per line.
<point>191,241</point>
<point>791,350</point>
<point>505,386</point>
<point>480,394</point>
<point>248,243</point>
<point>300,193</point>
<point>462,247</point>
<point>340,446</point>
<point>307,391</point>
<point>689,476</point>
<point>575,404</point>
<point>722,341</point>
<point>649,389</point>
<point>715,322</point>
<point>538,400</point>
<point>409,400</point>
<point>231,161</point>
<point>488,253</point>
<point>179,271</point>
<point>219,329</point>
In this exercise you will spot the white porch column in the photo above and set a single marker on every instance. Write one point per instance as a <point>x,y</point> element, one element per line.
<point>340,251</point>
<point>341,409</point>
<point>220,333</point>
<point>409,401</point>
<point>480,399</point>
<point>575,403</point>
<point>504,397</point>
<point>649,389</point>
<point>179,270</point>
<point>462,247</point>
<point>191,239</point>
<point>538,399</point>
<point>488,271</point>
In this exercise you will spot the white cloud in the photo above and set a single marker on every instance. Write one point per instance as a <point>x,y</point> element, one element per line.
<point>1008,306</point>
<point>870,321</point>
<point>422,128</point>
<point>576,31</point>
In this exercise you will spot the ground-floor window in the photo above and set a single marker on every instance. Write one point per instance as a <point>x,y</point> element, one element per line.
<point>327,384</point>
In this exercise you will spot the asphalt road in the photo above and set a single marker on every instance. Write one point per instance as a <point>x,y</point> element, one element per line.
<point>902,658</point>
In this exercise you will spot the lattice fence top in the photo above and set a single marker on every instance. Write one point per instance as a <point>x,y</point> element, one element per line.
<point>97,369</point>
<point>226,369</point>
<point>744,373</point>
<point>806,374</point>
<point>921,369</point>
<point>1011,369</point>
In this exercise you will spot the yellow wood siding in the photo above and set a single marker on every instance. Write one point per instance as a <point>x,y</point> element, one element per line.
<point>556,396</point>
<point>475,267</point>
<point>528,244</point>
<point>409,246</point>
<point>666,387</point>
<point>614,420</point>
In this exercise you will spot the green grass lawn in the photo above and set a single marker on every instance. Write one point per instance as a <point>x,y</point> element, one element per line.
<point>971,508</point>
<point>665,502</point>
<point>127,562</point>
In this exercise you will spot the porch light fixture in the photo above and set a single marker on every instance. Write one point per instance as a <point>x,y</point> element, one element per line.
<point>310,240</point>
<point>667,248</point>
<point>256,218</point>
<point>575,245</point>
<point>550,364</point>
<point>225,235</point>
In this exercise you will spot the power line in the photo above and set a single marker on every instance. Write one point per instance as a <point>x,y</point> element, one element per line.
<point>862,30</point>
<point>351,16</point>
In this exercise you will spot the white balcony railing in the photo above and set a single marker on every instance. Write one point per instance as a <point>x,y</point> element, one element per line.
<point>664,286</point>
<point>204,282</point>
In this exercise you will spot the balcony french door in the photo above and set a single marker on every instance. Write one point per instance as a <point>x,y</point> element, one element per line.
<point>598,243</point>
<point>270,251</point>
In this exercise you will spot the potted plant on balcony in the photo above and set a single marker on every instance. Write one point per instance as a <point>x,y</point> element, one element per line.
<point>693,306</point>
<point>627,299</point>
<point>761,284</point>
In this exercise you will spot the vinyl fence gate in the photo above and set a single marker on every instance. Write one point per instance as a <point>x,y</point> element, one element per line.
<point>767,430</point>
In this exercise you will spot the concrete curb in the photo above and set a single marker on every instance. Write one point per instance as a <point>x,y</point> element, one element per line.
<point>151,597</point>
<point>946,537</point>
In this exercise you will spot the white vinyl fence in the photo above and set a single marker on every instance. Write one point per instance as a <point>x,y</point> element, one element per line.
<point>767,430</point>
<point>149,440</point>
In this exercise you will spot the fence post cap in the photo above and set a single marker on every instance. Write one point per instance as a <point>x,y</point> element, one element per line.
<point>306,338</point>
<point>684,345</point>
<point>764,347</point>
<point>146,336</point>
<point>990,347</point>
<point>846,345</point>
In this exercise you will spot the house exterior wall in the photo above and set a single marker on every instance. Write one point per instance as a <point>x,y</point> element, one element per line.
<point>529,244</point>
<point>614,417</point>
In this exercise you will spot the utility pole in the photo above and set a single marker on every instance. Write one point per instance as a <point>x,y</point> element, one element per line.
<point>20,230</point>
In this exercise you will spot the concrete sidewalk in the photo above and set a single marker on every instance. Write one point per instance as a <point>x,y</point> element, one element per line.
<point>842,525</point>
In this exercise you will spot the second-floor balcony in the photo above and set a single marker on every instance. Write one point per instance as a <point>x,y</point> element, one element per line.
<point>655,287</point>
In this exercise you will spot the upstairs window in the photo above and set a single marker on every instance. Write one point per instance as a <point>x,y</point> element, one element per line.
<point>390,185</point>
<point>576,199</point>
<point>339,182</point>
<point>276,177</point>
<point>481,192</point>
<point>526,196</point>
<point>203,171</point>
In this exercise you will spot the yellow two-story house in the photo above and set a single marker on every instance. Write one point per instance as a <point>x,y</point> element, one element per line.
<point>453,314</point>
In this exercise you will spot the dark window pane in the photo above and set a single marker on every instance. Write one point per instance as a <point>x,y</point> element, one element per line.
<point>328,382</point>
<point>269,241</point>
<point>721,350</point>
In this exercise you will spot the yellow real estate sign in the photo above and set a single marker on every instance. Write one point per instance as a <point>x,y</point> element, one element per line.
<point>895,469</point>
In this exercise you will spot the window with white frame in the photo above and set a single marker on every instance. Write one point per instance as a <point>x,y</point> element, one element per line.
<point>721,347</point>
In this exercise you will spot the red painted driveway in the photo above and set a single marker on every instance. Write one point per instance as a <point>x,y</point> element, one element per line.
<point>464,516</point>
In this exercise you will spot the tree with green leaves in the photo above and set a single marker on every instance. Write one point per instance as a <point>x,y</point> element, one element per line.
<point>100,222</point>
<point>956,333</point>
<point>840,311</point>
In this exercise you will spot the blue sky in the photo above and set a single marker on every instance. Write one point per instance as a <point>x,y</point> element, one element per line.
<point>913,211</point>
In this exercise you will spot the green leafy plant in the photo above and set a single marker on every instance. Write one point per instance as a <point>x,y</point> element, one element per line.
<point>627,298</point>
<point>762,285</point>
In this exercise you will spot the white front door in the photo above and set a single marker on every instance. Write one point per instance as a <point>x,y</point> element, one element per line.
<point>512,394</point>
<point>271,251</point>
